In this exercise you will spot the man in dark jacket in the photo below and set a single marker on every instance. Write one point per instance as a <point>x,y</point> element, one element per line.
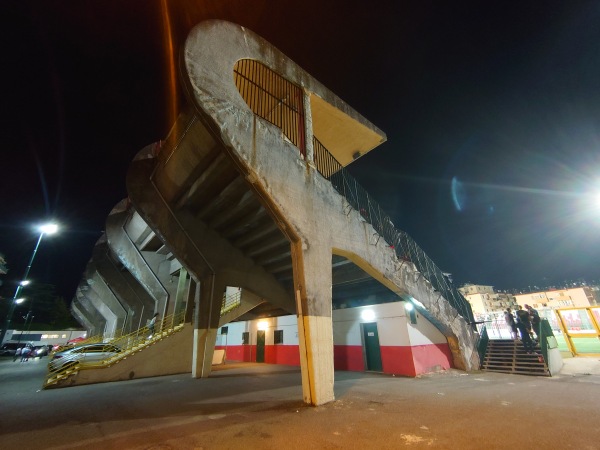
<point>535,320</point>
<point>524,326</point>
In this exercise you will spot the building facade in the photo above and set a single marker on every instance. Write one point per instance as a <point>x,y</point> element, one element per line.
<point>559,298</point>
<point>485,300</point>
<point>379,338</point>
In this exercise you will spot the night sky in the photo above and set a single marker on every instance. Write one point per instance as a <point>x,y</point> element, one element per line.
<point>492,115</point>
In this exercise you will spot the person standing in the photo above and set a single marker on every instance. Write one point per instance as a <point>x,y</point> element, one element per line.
<point>510,321</point>
<point>534,318</point>
<point>25,353</point>
<point>152,324</point>
<point>524,327</point>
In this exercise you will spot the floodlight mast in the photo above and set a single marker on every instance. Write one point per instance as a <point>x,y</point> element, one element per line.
<point>49,228</point>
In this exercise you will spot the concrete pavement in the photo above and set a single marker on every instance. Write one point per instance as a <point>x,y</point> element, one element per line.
<point>258,406</point>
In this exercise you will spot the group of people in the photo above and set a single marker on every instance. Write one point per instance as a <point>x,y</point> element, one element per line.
<point>24,353</point>
<point>526,323</point>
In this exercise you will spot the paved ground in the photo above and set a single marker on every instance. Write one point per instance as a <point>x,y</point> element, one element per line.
<point>257,406</point>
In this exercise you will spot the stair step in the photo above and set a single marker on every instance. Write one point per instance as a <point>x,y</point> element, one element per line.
<point>520,372</point>
<point>509,356</point>
<point>531,366</point>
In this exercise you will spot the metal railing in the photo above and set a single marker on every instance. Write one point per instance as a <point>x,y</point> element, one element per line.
<point>277,100</point>
<point>106,353</point>
<point>273,98</point>
<point>482,344</point>
<point>406,248</point>
<point>231,301</point>
<point>580,326</point>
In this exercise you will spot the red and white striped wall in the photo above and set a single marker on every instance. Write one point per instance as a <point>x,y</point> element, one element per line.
<point>406,348</point>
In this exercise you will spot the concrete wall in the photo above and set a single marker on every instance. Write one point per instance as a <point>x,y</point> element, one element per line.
<point>406,349</point>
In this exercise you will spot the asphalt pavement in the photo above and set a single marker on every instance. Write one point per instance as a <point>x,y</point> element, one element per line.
<point>258,406</point>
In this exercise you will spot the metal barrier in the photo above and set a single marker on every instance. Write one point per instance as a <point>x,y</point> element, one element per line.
<point>546,338</point>
<point>406,248</point>
<point>482,344</point>
<point>231,301</point>
<point>272,97</point>
<point>583,325</point>
<point>100,354</point>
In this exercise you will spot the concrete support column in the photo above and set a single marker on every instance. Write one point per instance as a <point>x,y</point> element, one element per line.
<point>181,294</point>
<point>308,130</point>
<point>192,300</point>
<point>312,284</point>
<point>206,322</point>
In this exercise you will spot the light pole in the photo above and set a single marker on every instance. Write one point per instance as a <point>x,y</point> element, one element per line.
<point>49,228</point>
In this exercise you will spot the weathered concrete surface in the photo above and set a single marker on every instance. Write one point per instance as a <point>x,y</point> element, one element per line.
<point>124,248</point>
<point>202,251</point>
<point>98,321</point>
<point>256,406</point>
<point>248,301</point>
<point>106,295</point>
<point>312,212</point>
<point>112,279</point>
<point>130,293</point>
<point>83,317</point>
<point>225,161</point>
<point>98,304</point>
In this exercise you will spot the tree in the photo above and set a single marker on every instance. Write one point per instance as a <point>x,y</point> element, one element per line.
<point>49,310</point>
<point>61,316</point>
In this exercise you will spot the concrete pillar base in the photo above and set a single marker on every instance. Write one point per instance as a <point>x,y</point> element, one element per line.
<point>208,311</point>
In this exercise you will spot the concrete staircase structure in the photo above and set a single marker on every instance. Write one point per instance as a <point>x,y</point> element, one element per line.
<point>235,197</point>
<point>509,356</point>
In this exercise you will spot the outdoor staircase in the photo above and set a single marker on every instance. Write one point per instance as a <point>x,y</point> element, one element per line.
<point>509,356</point>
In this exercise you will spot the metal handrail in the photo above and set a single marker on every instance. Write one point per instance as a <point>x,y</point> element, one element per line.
<point>125,344</point>
<point>405,247</point>
<point>230,302</point>
<point>482,344</point>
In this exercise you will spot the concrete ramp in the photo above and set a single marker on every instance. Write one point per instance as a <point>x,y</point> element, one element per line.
<point>171,355</point>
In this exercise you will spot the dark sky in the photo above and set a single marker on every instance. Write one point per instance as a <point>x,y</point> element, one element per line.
<point>492,115</point>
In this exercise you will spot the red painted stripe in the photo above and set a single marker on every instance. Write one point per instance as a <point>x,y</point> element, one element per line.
<point>397,360</point>
<point>348,357</point>
<point>282,354</point>
<point>245,353</point>
<point>429,358</point>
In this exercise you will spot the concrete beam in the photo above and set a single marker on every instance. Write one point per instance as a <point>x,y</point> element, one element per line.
<point>103,291</point>
<point>199,248</point>
<point>137,302</point>
<point>248,301</point>
<point>82,317</point>
<point>93,314</point>
<point>131,257</point>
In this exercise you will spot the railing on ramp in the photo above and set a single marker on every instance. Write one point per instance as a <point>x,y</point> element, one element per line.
<point>97,353</point>
<point>405,247</point>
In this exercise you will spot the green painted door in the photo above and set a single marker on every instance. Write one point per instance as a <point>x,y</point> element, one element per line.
<point>260,346</point>
<point>372,350</point>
